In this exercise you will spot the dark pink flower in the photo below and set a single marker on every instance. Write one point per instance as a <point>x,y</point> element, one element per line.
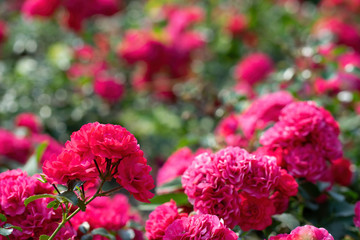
<point>237,24</point>
<point>344,33</point>
<point>254,68</point>
<point>203,226</point>
<point>35,219</point>
<point>105,212</point>
<point>341,171</point>
<point>257,175</point>
<point>3,31</point>
<point>30,121</point>
<point>160,219</point>
<point>14,147</point>
<point>307,136</point>
<point>108,88</point>
<point>42,8</point>
<point>69,166</point>
<point>134,175</point>
<point>176,164</point>
<point>305,232</point>
<point>357,214</point>
<point>112,141</point>
<point>255,213</point>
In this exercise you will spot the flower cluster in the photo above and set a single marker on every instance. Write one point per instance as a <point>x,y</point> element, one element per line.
<point>235,185</point>
<point>76,10</point>
<point>102,151</point>
<point>305,140</point>
<point>90,63</point>
<point>305,232</point>
<point>19,148</point>
<point>166,223</point>
<point>252,69</point>
<point>35,219</point>
<point>113,214</point>
<point>163,62</point>
<point>239,129</point>
<point>176,164</point>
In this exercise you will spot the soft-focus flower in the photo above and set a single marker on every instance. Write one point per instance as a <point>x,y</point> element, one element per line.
<point>42,8</point>
<point>254,68</point>
<point>305,232</point>
<point>237,24</point>
<point>30,121</point>
<point>105,212</point>
<point>176,164</point>
<point>343,33</point>
<point>3,31</point>
<point>357,214</point>
<point>14,147</point>
<point>108,88</point>
<point>35,219</point>
<point>203,226</point>
<point>341,171</point>
<point>160,219</point>
<point>307,139</point>
<point>347,5</point>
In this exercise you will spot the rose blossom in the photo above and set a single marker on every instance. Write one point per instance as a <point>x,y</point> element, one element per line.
<point>105,212</point>
<point>305,232</point>
<point>219,183</point>
<point>14,147</point>
<point>3,31</point>
<point>254,68</point>
<point>108,88</point>
<point>68,166</point>
<point>203,226</point>
<point>35,219</point>
<point>255,174</point>
<point>160,219</point>
<point>30,121</point>
<point>116,152</point>
<point>43,8</point>
<point>255,213</point>
<point>306,139</point>
<point>176,164</point>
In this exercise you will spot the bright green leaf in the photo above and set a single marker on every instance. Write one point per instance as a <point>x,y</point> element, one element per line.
<point>73,198</point>
<point>3,218</point>
<point>33,198</point>
<point>44,237</point>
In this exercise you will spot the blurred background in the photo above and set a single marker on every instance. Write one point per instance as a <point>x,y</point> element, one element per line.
<point>169,70</point>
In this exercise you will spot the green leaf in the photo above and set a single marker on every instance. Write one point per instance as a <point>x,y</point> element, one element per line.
<point>6,231</point>
<point>171,186</point>
<point>73,198</point>
<point>42,179</point>
<point>103,232</point>
<point>3,218</point>
<point>52,204</point>
<point>181,199</point>
<point>35,197</point>
<point>73,184</point>
<point>288,220</point>
<point>44,237</point>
